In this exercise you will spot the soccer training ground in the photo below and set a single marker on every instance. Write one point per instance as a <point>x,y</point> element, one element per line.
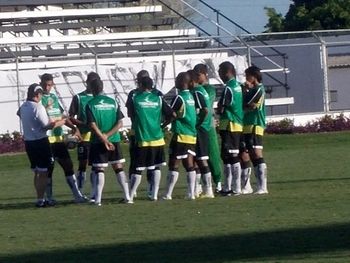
<point>305,218</point>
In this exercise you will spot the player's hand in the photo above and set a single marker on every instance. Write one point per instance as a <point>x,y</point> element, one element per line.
<point>58,123</point>
<point>109,146</point>
<point>77,134</point>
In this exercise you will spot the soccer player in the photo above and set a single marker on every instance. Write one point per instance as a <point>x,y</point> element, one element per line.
<point>182,145</point>
<point>254,125</point>
<point>77,114</point>
<point>59,149</point>
<point>147,112</point>
<point>214,150</point>
<point>203,126</point>
<point>230,108</point>
<point>105,120</point>
<point>35,123</point>
<point>132,140</point>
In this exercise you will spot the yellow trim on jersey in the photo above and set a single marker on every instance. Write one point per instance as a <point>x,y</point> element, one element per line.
<point>186,139</point>
<point>155,143</point>
<point>227,125</point>
<point>53,139</point>
<point>86,136</point>
<point>258,130</point>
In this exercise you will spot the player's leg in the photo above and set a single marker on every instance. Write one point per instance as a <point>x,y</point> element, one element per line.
<point>155,161</point>
<point>83,153</point>
<point>260,165</point>
<point>198,186</point>
<point>235,138</point>
<point>173,175</point>
<point>136,174</point>
<point>63,158</point>
<point>191,176</point>
<point>214,159</point>
<point>225,156</point>
<point>117,160</point>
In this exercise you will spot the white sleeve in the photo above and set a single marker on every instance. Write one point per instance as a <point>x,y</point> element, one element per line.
<point>42,116</point>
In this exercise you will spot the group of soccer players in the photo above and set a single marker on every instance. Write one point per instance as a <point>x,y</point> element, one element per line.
<point>96,120</point>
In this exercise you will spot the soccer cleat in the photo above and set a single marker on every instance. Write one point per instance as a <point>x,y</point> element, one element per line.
<point>40,203</point>
<point>207,195</point>
<point>81,199</point>
<point>226,193</point>
<point>190,197</point>
<point>236,193</point>
<point>153,199</point>
<point>167,198</point>
<point>261,192</point>
<point>50,202</point>
<point>247,190</point>
<point>218,188</point>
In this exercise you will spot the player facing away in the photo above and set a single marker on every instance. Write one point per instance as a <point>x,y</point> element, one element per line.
<point>132,141</point>
<point>35,123</point>
<point>230,108</point>
<point>59,149</point>
<point>104,118</point>
<point>77,114</point>
<point>214,149</point>
<point>183,142</point>
<point>203,126</point>
<point>254,126</point>
<point>147,112</point>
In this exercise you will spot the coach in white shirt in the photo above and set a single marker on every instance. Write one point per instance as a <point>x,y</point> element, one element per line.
<point>35,123</point>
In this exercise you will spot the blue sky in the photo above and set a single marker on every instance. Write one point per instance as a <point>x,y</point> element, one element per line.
<point>249,13</point>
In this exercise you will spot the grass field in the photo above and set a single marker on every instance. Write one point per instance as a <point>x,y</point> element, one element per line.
<point>305,218</point>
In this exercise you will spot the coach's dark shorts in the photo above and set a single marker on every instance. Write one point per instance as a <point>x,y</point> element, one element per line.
<point>39,154</point>
<point>83,150</point>
<point>149,157</point>
<point>202,145</point>
<point>100,156</point>
<point>60,150</point>
<point>179,150</point>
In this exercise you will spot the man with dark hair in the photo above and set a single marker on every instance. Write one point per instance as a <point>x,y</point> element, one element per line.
<point>204,124</point>
<point>183,142</point>
<point>230,109</point>
<point>35,123</point>
<point>59,149</point>
<point>132,141</point>
<point>254,126</point>
<point>146,112</point>
<point>214,150</point>
<point>104,118</point>
<point>77,114</point>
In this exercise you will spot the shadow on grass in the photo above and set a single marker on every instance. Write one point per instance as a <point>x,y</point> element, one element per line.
<point>298,242</point>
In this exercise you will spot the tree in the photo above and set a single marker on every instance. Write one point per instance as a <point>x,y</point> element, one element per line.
<point>310,15</point>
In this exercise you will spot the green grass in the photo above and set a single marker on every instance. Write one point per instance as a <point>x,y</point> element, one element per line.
<point>305,218</point>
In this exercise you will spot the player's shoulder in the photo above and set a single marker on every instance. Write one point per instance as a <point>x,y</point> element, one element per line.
<point>157,92</point>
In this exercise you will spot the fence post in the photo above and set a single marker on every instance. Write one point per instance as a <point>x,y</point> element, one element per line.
<point>324,66</point>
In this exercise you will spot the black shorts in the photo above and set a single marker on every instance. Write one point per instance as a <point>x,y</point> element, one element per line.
<point>149,157</point>
<point>39,154</point>
<point>202,145</point>
<point>179,150</point>
<point>230,143</point>
<point>100,156</point>
<point>60,150</point>
<point>253,141</point>
<point>83,150</point>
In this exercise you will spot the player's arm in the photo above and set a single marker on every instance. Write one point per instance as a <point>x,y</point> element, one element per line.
<point>73,111</point>
<point>256,99</point>
<point>118,125</point>
<point>168,113</point>
<point>202,106</point>
<point>177,106</point>
<point>225,100</point>
<point>129,104</point>
<point>94,128</point>
<point>45,121</point>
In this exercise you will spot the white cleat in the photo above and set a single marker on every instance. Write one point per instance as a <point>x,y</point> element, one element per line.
<point>261,192</point>
<point>167,198</point>
<point>247,191</point>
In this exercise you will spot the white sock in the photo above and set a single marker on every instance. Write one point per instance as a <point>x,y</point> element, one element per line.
<point>81,179</point>
<point>100,182</point>
<point>207,184</point>
<point>245,178</point>
<point>72,182</point>
<point>236,177</point>
<point>93,180</point>
<point>191,184</point>
<point>135,182</point>
<point>121,177</point>
<point>261,175</point>
<point>156,183</point>
<point>171,181</point>
<point>228,177</point>
<point>198,187</point>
